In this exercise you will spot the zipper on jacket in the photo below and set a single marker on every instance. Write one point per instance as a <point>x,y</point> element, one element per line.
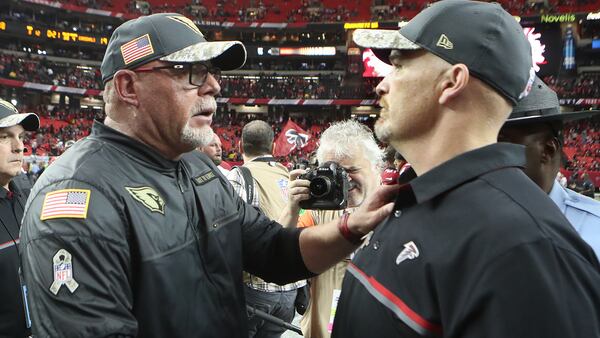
<point>178,176</point>
<point>181,169</point>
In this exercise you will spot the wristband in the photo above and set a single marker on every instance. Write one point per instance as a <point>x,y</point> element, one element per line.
<point>345,231</point>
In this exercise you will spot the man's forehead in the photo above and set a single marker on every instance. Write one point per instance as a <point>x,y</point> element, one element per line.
<point>347,161</point>
<point>13,129</point>
<point>153,63</point>
<point>526,128</point>
<point>522,132</point>
<point>406,54</point>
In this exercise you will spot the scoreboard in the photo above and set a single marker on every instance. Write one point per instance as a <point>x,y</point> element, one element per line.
<point>38,32</point>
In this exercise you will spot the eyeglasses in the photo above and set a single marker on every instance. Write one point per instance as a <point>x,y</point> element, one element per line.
<point>198,72</point>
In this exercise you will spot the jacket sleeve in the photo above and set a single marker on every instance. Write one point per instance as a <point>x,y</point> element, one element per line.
<point>76,263</point>
<point>270,251</point>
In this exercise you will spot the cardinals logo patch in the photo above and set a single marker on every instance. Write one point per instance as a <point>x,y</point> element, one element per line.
<point>149,198</point>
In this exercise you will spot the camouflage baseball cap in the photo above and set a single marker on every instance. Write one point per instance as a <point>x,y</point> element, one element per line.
<point>168,37</point>
<point>542,106</point>
<point>483,36</point>
<point>9,116</point>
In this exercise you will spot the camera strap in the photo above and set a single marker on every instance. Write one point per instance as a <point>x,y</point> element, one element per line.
<point>264,159</point>
<point>249,182</point>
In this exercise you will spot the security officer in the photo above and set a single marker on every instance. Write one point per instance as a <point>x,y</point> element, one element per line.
<point>13,195</point>
<point>126,236</point>
<point>474,247</point>
<point>537,123</point>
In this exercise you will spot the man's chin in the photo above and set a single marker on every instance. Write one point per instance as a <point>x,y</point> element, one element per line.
<point>382,130</point>
<point>196,137</point>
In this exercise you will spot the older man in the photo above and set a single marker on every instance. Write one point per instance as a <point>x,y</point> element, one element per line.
<point>125,236</point>
<point>537,123</point>
<point>474,247</point>
<point>13,194</point>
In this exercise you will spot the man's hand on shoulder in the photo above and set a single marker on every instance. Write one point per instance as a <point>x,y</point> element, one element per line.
<point>373,210</point>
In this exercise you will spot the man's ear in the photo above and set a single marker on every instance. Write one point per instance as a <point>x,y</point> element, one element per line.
<point>453,81</point>
<point>123,82</point>
<point>551,149</point>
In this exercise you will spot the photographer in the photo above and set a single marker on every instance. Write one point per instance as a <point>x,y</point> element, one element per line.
<point>353,147</point>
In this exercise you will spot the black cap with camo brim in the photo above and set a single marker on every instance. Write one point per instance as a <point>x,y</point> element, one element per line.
<point>483,36</point>
<point>168,37</point>
<point>383,41</point>
<point>542,106</point>
<point>9,117</point>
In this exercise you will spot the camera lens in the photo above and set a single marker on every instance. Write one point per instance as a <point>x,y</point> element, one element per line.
<point>320,186</point>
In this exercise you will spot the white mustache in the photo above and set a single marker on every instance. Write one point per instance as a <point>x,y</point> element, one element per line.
<point>209,105</point>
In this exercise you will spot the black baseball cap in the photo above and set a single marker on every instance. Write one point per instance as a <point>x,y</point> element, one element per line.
<point>542,106</point>
<point>483,36</point>
<point>9,116</point>
<point>168,37</point>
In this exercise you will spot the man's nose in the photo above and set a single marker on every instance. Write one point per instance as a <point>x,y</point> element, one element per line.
<point>17,145</point>
<point>383,87</point>
<point>210,87</point>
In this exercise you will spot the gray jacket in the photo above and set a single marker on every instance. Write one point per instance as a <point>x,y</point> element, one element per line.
<point>132,244</point>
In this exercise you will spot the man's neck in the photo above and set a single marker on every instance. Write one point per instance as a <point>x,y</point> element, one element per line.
<point>444,143</point>
<point>5,181</point>
<point>161,147</point>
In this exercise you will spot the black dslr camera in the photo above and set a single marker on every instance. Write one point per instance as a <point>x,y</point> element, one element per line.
<point>328,187</point>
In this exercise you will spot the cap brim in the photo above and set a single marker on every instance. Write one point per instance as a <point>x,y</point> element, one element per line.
<point>29,121</point>
<point>227,55</point>
<point>565,117</point>
<point>382,42</point>
<point>382,39</point>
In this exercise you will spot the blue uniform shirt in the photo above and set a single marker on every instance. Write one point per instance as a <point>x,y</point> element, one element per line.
<point>583,213</point>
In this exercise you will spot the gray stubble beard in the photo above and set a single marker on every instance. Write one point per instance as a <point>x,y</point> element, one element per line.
<point>197,137</point>
<point>382,131</point>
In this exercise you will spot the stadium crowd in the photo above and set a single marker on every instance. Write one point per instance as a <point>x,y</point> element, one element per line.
<point>584,85</point>
<point>323,86</point>
<point>312,10</point>
<point>47,72</point>
<point>61,126</point>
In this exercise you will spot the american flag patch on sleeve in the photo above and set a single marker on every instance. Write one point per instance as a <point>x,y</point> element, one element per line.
<point>137,49</point>
<point>66,203</point>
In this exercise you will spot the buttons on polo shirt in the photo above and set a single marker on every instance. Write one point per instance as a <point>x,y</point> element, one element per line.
<point>397,213</point>
<point>376,245</point>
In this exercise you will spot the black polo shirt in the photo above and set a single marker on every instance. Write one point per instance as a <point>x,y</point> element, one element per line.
<point>12,314</point>
<point>473,249</point>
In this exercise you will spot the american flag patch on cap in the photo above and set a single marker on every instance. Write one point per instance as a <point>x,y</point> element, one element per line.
<point>137,49</point>
<point>66,203</point>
